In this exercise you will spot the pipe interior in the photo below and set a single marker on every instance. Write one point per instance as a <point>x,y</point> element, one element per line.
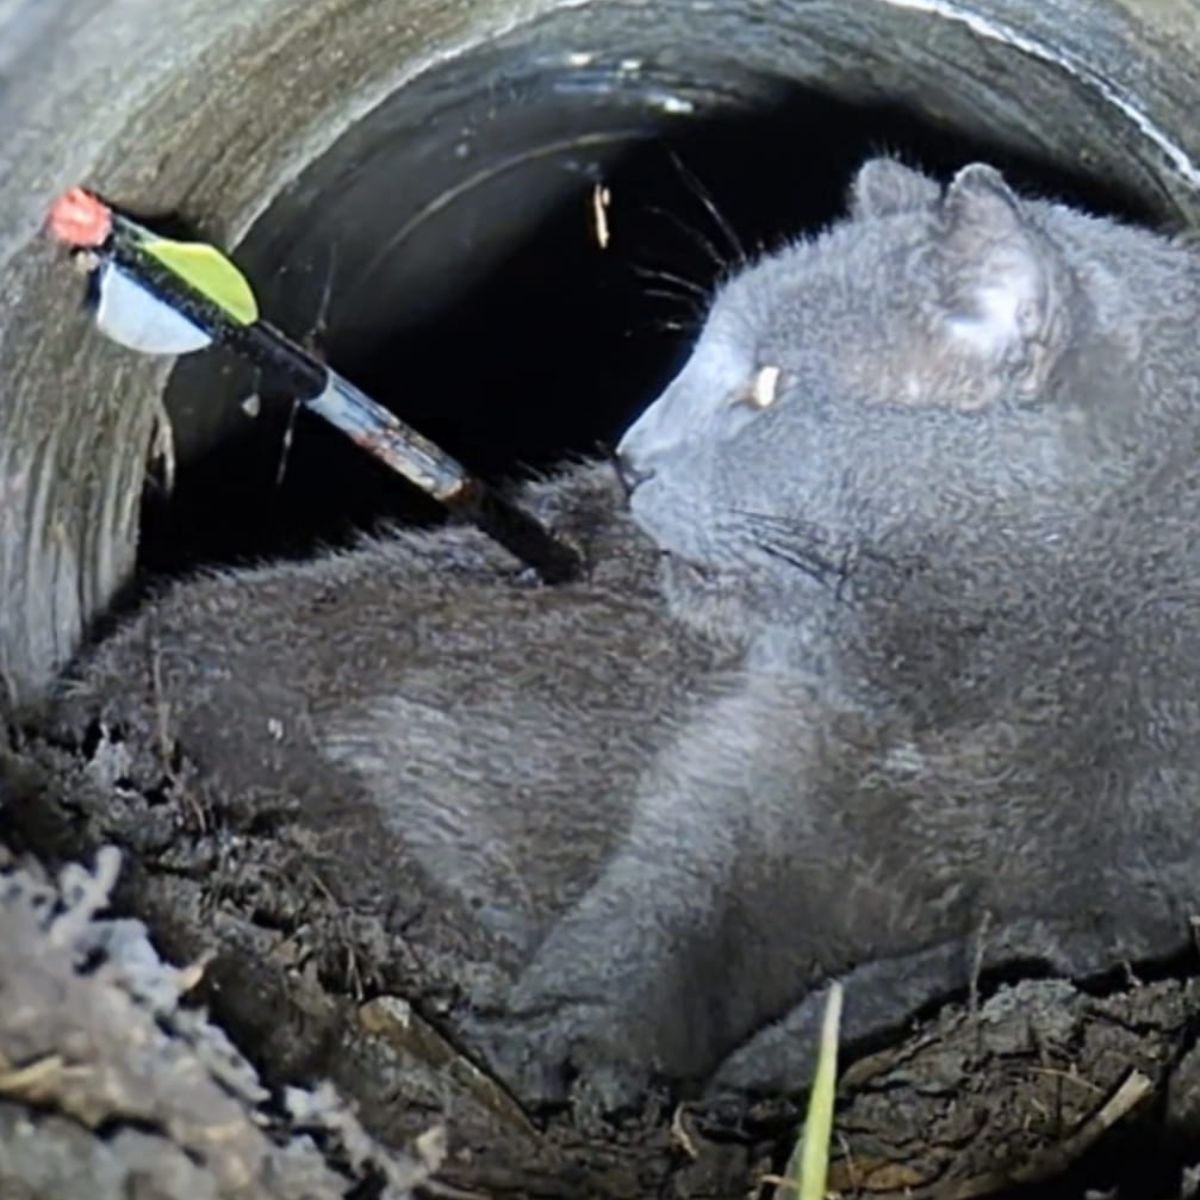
<point>410,185</point>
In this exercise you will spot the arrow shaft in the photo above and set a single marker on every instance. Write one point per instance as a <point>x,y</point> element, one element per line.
<point>365,421</point>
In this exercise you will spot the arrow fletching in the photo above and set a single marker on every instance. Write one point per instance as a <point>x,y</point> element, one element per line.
<point>132,316</point>
<point>209,272</point>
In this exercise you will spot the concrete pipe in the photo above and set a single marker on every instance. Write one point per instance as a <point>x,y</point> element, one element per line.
<point>408,181</point>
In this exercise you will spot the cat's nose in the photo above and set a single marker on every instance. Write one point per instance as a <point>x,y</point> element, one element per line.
<point>631,470</point>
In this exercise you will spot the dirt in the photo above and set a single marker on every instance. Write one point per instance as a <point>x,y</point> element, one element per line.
<point>108,1070</point>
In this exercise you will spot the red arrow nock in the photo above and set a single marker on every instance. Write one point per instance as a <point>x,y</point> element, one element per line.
<point>80,220</point>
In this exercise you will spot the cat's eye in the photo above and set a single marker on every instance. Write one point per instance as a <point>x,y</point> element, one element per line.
<point>765,387</point>
<point>763,390</point>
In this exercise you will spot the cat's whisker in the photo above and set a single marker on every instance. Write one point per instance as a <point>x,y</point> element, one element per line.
<point>688,302</point>
<point>706,198</point>
<point>784,525</point>
<point>797,544</point>
<point>706,244</point>
<point>810,564</point>
<point>688,285</point>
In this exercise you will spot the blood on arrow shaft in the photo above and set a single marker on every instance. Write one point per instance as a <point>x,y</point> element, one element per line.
<point>83,221</point>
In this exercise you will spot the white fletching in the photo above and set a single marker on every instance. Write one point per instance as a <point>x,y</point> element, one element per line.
<point>134,317</point>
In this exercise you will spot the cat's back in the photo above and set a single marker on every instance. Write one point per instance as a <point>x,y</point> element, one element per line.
<point>423,685</point>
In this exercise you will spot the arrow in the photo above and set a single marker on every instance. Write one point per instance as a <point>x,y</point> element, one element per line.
<point>165,297</point>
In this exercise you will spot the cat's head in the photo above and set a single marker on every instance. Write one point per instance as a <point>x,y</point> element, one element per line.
<point>928,371</point>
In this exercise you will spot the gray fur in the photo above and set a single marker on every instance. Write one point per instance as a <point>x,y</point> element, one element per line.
<point>912,689</point>
<point>423,687</point>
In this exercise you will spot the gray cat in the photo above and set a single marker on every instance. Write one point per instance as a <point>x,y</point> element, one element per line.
<point>939,468</point>
<point>898,686</point>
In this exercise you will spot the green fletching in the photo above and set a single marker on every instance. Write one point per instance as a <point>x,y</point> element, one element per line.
<point>210,273</point>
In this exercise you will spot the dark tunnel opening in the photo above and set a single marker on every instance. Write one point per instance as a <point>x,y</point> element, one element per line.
<point>550,343</point>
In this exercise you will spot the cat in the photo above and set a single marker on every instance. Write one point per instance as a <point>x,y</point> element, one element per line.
<point>938,468</point>
<point>884,672</point>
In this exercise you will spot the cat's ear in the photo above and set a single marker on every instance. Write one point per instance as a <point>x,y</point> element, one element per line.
<point>1003,284</point>
<point>884,187</point>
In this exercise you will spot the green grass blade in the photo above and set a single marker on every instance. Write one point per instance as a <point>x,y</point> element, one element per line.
<point>809,1168</point>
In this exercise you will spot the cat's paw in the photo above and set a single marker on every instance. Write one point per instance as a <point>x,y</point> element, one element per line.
<point>573,1055</point>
